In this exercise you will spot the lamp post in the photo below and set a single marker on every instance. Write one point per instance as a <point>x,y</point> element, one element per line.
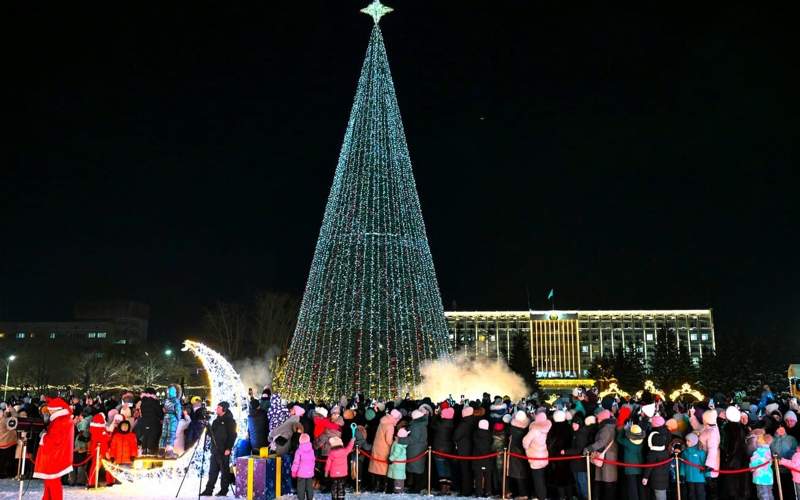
<point>8,368</point>
<point>168,352</point>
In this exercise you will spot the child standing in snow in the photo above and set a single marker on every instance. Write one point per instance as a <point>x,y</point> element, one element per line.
<point>303,468</point>
<point>397,471</point>
<point>336,465</point>
<point>762,477</point>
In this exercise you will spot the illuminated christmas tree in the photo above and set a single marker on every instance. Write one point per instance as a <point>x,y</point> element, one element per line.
<point>371,312</point>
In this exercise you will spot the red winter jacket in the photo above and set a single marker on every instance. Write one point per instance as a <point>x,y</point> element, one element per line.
<point>123,448</point>
<point>98,435</point>
<point>321,424</point>
<point>336,466</point>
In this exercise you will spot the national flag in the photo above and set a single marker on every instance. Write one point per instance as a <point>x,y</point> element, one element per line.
<point>551,294</point>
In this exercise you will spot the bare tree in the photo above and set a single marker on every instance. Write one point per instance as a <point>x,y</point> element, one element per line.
<point>150,371</point>
<point>227,325</point>
<point>274,319</point>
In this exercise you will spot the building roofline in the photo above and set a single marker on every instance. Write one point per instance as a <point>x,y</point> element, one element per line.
<point>578,312</point>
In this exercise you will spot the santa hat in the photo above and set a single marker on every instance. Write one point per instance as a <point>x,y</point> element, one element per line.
<point>483,424</point>
<point>417,414</point>
<point>448,413</point>
<point>467,411</point>
<point>98,420</point>
<point>649,410</point>
<point>56,407</point>
<point>559,416</point>
<point>444,404</point>
<point>658,421</point>
<point>732,414</point>
<point>335,441</point>
<point>321,412</point>
<point>790,415</point>
<point>710,417</point>
<point>396,415</point>
<point>692,439</point>
<point>603,416</point>
<point>402,432</point>
<point>298,411</point>
<point>305,438</point>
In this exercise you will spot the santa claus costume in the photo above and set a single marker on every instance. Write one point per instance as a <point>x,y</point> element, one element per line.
<point>54,458</point>
<point>99,436</point>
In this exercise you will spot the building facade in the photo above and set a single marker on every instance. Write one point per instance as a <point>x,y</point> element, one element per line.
<point>94,323</point>
<point>563,344</point>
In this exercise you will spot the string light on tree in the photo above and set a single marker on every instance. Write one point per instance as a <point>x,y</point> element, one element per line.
<point>371,312</point>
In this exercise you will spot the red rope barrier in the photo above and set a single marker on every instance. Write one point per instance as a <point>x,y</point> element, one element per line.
<point>459,457</point>
<point>637,466</point>
<point>725,471</point>
<point>557,458</point>
<point>382,461</point>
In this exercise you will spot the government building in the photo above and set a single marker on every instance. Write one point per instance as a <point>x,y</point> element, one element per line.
<point>563,343</point>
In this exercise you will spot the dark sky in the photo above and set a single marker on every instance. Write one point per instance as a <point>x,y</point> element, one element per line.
<point>634,157</point>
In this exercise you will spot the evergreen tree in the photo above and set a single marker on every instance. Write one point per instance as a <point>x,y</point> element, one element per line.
<point>629,368</point>
<point>521,364</point>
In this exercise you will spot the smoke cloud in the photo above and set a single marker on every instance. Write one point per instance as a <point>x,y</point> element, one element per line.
<point>255,372</point>
<point>470,377</point>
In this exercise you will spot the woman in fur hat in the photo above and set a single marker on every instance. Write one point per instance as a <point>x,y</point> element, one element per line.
<point>734,455</point>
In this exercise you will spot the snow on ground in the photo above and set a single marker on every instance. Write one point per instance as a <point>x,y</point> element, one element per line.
<point>9,489</point>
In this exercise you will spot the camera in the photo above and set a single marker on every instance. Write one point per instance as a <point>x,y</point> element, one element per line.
<point>24,424</point>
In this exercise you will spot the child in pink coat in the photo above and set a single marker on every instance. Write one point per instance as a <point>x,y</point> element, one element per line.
<point>336,466</point>
<point>303,468</point>
<point>794,463</point>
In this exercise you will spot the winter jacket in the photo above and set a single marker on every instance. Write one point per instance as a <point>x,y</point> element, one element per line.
<point>631,453</point>
<point>277,412</point>
<point>580,440</point>
<point>606,434</point>
<point>123,448</point>
<point>397,470</point>
<point>223,430</point>
<point>783,446</point>
<point>382,445</point>
<point>696,456</point>
<point>657,477</point>
<point>443,435</point>
<point>8,437</point>
<point>417,443</point>
<point>535,443</point>
<point>321,425</point>
<point>462,436</point>
<point>280,437</point>
<point>482,445</point>
<point>709,441</point>
<point>795,464</point>
<point>559,440</point>
<point>257,428</point>
<point>517,467</point>
<point>496,412</point>
<point>763,475</point>
<point>82,436</point>
<point>336,465</point>
<point>499,442</point>
<point>303,463</point>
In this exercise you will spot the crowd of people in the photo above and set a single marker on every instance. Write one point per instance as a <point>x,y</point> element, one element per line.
<point>634,447</point>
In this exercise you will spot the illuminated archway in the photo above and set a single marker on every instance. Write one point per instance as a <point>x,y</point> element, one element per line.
<point>651,387</point>
<point>613,389</point>
<point>686,390</point>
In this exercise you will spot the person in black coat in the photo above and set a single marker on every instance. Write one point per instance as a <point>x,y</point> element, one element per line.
<point>256,425</point>
<point>518,468</point>
<point>581,438</point>
<point>223,437</point>
<point>462,437</point>
<point>148,427</point>
<point>483,470</point>
<point>657,478</point>
<point>559,440</point>
<point>734,456</point>
<point>443,442</point>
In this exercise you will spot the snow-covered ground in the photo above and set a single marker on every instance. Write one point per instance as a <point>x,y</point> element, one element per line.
<point>9,488</point>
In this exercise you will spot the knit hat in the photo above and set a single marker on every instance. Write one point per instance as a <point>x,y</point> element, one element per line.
<point>520,419</point>
<point>672,425</point>
<point>732,414</point>
<point>507,418</point>
<point>710,417</point>
<point>772,407</point>
<point>305,438</point>
<point>448,413</point>
<point>321,412</point>
<point>468,411</point>
<point>590,420</point>
<point>790,415</point>
<point>369,414</point>
<point>426,408</point>
<point>395,414</point>
<point>335,441</point>
<point>224,405</point>
<point>336,410</point>
<point>483,424</point>
<point>607,403</point>
<point>692,439</point>
<point>559,416</point>
<point>499,427</point>
<point>649,410</point>
<point>417,414</point>
<point>380,407</point>
<point>349,414</point>
<point>603,416</point>
<point>541,423</point>
<point>402,432</point>
<point>635,434</point>
<point>658,421</point>
<point>570,415</point>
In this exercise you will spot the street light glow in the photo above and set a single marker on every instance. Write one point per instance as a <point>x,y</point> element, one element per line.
<point>12,357</point>
<point>168,352</point>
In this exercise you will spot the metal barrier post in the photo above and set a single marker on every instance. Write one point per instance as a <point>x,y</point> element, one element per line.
<point>677,477</point>
<point>589,476</point>
<point>97,467</point>
<point>430,493</point>
<point>778,476</point>
<point>358,458</point>
<point>505,471</point>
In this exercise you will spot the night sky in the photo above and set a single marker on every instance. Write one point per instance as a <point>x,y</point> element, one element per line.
<point>628,158</point>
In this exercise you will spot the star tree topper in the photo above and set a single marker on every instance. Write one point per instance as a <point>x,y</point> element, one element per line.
<point>377,10</point>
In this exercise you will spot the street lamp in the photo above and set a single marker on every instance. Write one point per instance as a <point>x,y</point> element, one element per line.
<point>8,368</point>
<point>168,352</point>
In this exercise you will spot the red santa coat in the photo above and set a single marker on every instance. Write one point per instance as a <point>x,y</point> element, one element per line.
<point>98,435</point>
<point>54,458</point>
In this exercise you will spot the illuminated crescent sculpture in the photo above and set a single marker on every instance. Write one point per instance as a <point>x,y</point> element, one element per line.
<point>226,385</point>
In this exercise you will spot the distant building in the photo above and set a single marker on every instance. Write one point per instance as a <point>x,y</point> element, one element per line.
<point>564,343</point>
<point>107,322</point>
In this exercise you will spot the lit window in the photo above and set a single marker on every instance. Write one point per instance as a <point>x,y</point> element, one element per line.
<point>584,348</point>
<point>2,335</point>
<point>704,336</point>
<point>52,335</point>
<point>693,337</point>
<point>20,335</point>
<point>696,361</point>
<point>101,335</point>
<point>649,337</point>
<point>122,341</point>
<point>92,335</point>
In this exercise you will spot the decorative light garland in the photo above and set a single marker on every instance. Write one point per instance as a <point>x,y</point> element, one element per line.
<point>613,389</point>
<point>226,385</point>
<point>651,387</point>
<point>686,389</point>
<point>372,311</point>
